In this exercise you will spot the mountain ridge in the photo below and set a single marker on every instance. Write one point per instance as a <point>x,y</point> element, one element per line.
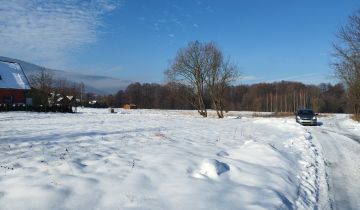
<point>93,83</point>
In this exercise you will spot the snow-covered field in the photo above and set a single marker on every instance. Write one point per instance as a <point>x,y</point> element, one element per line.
<point>151,159</point>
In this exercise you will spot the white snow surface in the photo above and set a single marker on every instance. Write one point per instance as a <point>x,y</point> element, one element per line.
<point>12,76</point>
<point>152,159</point>
<point>338,142</point>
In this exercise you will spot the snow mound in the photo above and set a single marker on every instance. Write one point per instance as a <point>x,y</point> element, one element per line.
<point>122,111</point>
<point>308,136</point>
<point>222,154</point>
<point>211,168</point>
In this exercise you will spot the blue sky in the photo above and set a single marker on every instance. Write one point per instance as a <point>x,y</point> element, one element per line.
<point>135,40</point>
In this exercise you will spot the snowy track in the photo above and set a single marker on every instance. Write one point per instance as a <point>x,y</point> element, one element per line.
<point>340,146</point>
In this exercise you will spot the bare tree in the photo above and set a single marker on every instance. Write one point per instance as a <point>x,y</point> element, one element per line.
<point>202,68</point>
<point>68,88</point>
<point>188,68</point>
<point>219,74</point>
<point>347,63</point>
<point>42,84</point>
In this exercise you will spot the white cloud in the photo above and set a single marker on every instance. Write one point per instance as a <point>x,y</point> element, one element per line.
<point>308,78</point>
<point>249,78</point>
<point>48,31</point>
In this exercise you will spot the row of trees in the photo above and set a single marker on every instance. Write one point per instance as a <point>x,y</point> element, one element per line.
<point>286,97</point>
<point>273,97</point>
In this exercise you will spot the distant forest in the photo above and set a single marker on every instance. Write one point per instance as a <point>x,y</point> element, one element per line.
<point>270,97</point>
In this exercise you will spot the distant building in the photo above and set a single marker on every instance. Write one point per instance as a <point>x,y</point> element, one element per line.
<point>14,85</point>
<point>129,106</point>
<point>67,103</point>
<point>93,102</point>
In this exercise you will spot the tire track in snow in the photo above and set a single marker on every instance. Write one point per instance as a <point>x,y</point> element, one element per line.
<point>313,188</point>
<point>342,166</point>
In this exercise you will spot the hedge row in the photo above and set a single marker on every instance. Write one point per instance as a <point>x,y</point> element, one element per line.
<point>28,108</point>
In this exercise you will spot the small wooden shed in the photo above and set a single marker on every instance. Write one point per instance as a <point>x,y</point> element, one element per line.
<point>129,106</point>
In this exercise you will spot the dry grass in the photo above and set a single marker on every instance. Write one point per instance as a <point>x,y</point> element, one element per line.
<point>212,114</point>
<point>274,114</point>
<point>356,117</point>
<point>282,114</point>
<point>325,114</point>
<point>255,114</point>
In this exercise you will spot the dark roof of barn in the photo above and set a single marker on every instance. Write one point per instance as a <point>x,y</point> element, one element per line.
<point>12,76</point>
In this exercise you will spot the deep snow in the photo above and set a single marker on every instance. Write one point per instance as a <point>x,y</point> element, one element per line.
<point>151,159</point>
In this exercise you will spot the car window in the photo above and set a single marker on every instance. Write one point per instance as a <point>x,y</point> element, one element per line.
<point>306,112</point>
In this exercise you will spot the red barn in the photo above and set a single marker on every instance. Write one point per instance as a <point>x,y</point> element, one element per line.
<point>14,84</point>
